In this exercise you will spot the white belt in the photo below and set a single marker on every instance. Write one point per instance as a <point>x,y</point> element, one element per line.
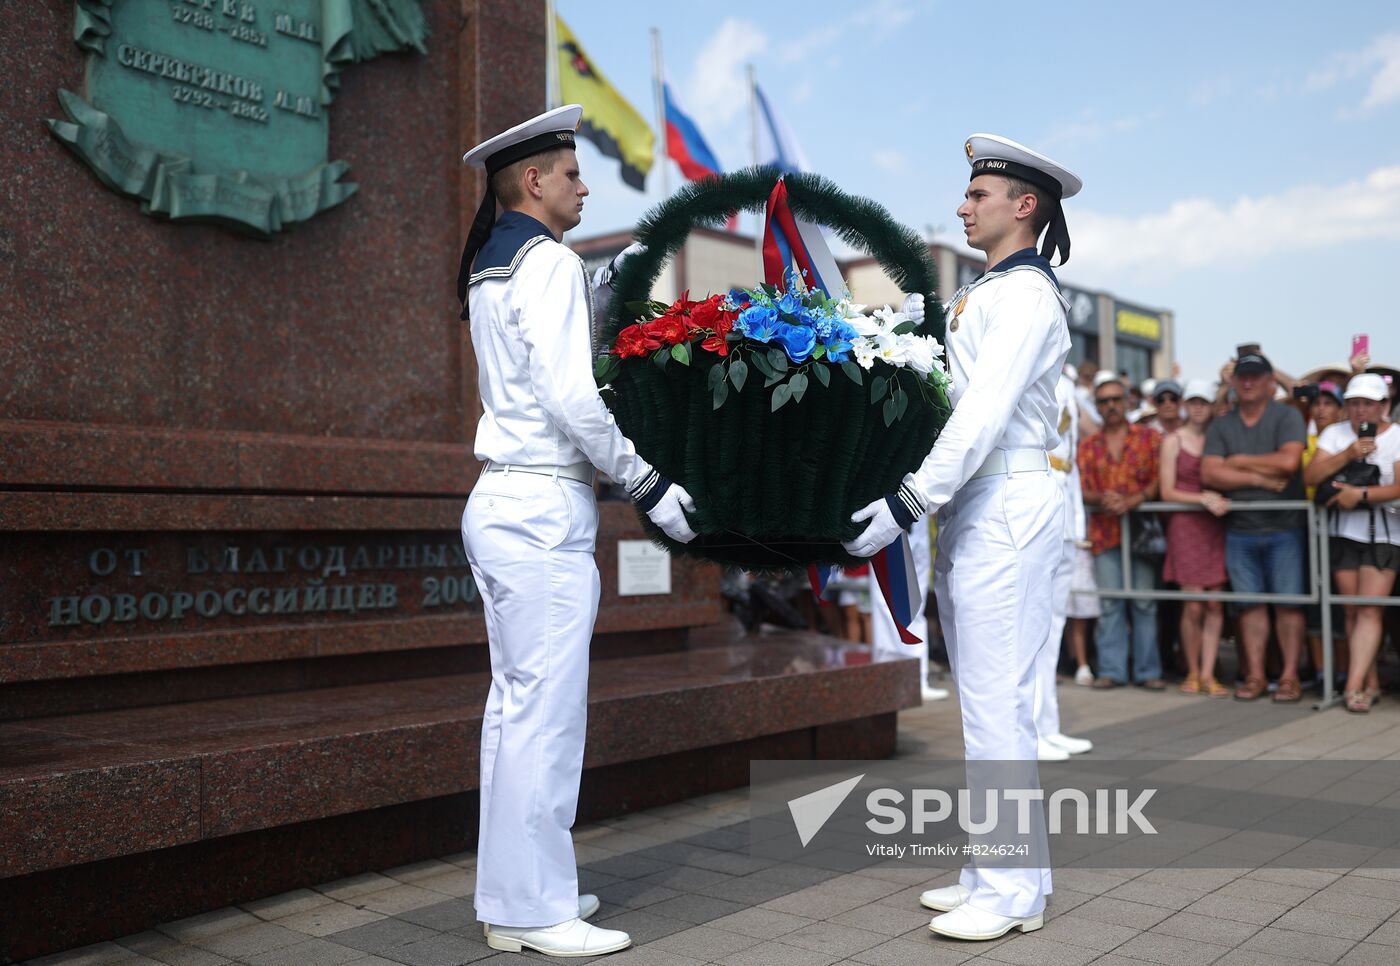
<point>1004,462</point>
<point>580,472</point>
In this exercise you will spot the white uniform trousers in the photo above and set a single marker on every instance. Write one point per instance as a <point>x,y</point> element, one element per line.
<point>1047,700</point>
<point>884,638</point>
<point>530,539</point>
<point>999,540</point>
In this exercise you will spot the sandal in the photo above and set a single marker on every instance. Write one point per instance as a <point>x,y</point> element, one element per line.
<point>1290,690</point>
<point>1212,688</point>
<point>1192,685</point>
<point>1358,702</point>
<point>1251,689</point>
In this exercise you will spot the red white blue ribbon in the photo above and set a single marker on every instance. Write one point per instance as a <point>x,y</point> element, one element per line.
<point>896,577</point>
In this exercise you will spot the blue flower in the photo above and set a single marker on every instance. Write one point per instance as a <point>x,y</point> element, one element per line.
<point>788,304</point>
<point>797,341</point>
<point>758,322</point>
<point>840,337</point>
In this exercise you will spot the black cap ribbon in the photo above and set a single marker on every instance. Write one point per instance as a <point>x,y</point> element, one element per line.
<point>1057,231</point>
<point>485,218</point>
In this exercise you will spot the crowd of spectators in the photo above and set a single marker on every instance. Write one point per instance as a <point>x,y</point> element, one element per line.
<point>1230,451</point>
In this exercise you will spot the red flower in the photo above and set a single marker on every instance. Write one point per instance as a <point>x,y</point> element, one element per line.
<point>635,341</point>
<point>667,330</point>
<point>717,344</point>
<point>703,315</point>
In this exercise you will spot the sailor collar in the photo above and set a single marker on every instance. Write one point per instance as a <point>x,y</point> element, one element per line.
<point>514,234</point>
<point>1025,260</point>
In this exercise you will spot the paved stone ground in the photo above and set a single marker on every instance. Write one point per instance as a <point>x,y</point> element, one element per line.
<point>680,880</point>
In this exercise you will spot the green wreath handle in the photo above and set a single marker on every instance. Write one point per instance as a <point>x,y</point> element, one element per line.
<point>859,222</point>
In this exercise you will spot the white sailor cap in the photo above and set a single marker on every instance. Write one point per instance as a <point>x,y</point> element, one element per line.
<point>545,132</point>
<point>993,154</point>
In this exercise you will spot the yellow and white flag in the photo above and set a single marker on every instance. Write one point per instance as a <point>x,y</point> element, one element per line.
<point>609,121</point>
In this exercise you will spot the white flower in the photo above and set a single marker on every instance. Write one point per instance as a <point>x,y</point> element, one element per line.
<point>864,351</point>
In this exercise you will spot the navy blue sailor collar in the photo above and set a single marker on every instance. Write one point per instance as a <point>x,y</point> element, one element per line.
<point>1025,258</point>
<point>513,234</point>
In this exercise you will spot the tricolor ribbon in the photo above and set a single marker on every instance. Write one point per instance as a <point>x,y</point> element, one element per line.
<point>788,241</point>
<point>896,577</point>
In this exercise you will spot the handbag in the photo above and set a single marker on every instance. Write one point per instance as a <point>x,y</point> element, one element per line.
<point>1149,539</point>
<point>1355,473</point>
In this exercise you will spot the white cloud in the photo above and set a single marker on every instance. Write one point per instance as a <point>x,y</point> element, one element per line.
<point>1197,232</point>
<point>1380,60</point>
<point>891,160</point>
<point>718,89</point>
<point>1089,128</point>
<point>874,21</point>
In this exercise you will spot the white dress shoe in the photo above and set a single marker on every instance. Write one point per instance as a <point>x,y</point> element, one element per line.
<point>1075,746</point>
<point>587,906</point>
<point>934,694</point>
<point>1045,751</point>
<point>572,938</point>
<point>944,899</point>
<point>1084,677</point>
<point>965,922</point>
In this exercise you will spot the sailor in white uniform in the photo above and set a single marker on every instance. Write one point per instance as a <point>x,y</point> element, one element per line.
<point>530,526</point>
<point>1052,744</point>
<point>1000,512</point>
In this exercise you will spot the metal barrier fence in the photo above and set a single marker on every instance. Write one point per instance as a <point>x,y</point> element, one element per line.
<point>1319,576</point>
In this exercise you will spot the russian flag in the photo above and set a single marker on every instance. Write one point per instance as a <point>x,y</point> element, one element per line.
<point>684,143</point>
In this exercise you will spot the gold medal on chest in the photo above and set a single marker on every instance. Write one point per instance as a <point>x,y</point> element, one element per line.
<point>962,304</point>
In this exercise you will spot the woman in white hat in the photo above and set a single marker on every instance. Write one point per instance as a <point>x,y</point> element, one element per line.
<point>1195,541</point>
<point>1365,534</point>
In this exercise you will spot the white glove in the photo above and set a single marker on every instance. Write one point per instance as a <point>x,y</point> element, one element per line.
<point>606,274</point>
<point>914,307</point>
<point>669,513</point>
<point>882,531</point>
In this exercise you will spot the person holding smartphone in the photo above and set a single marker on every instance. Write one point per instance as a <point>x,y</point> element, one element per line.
<point>1365,534</point>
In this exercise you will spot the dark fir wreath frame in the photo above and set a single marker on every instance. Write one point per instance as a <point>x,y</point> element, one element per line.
<point>775,487</point>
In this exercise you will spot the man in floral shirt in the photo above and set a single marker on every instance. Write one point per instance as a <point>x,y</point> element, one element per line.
<point>1118,470</point>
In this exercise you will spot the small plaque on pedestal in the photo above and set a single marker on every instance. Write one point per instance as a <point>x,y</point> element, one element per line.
<point>642,568</point>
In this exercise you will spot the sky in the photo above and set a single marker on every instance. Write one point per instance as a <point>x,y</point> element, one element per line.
<point>1241,162</point>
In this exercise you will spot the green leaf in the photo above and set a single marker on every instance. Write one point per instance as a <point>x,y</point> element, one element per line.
<point>738,374</point>
<point>877,389</point>
<point>660,357</point>
<point>777,358</point>
<point>602,367</point>
<point>769,290</point>
<point>720,392</point>
<point>716,375</point>
<point>780,396</point>
<point>890,410</point>
<point>760,362</point>
<point>774,378</point>
<point>853,373</point>
<point>823,374</point>
<point>639,310</point>
<point>904,328</point>
<point>902,402</point>
<point>799,386</point>
<point>681,353</point>
<point>819,352</point>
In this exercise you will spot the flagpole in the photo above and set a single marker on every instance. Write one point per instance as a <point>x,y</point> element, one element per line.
<point>660,96</point>
<point>753,154</point>
<point>551,58</point>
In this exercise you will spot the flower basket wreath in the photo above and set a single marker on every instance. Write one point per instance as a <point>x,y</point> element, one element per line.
<point>781,408</point>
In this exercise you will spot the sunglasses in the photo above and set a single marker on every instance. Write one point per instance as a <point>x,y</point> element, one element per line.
<point>1104,400</point>
<point>1169,397</point>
